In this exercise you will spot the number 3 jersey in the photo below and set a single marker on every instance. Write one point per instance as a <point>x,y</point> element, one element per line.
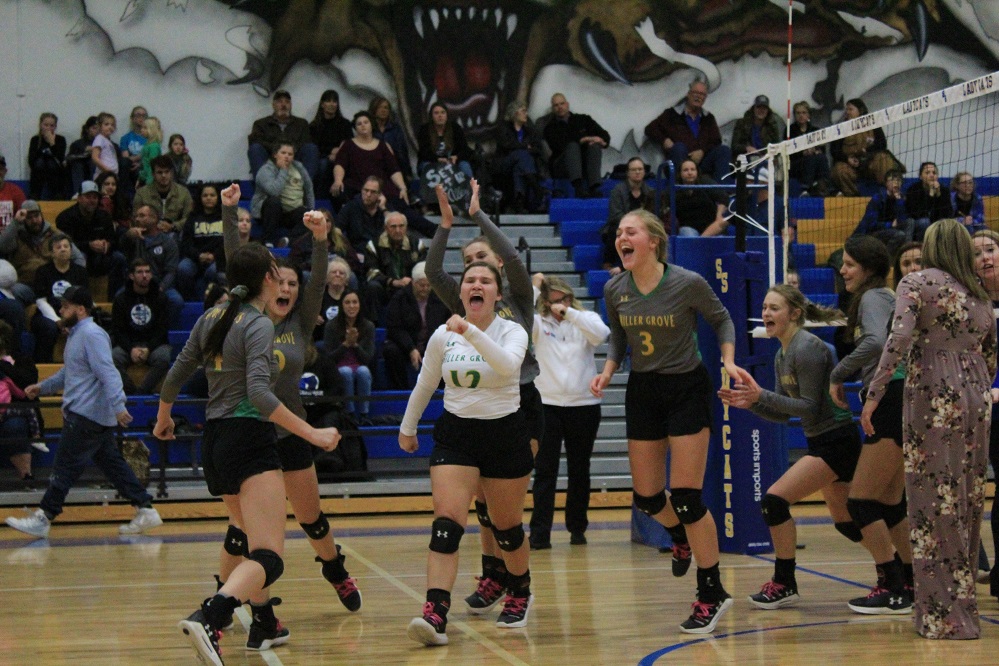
<point>480,369</point>
<point>660,325</point>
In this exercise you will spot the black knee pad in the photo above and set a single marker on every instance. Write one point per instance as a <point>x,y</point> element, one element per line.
<point>776,510</point>
<point>511,539</point>
<point>445,535</point>
<point>895,513</point>
<point>865,511</point>
<point>236,542</point>
<point>850,531</point>
<point>271,562</point>
<point>318,529</point>
<point>688,505</point>
<point>482,513</point>
<point>650,506</point>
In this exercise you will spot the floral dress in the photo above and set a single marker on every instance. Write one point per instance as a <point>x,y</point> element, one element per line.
<point>947,337</point>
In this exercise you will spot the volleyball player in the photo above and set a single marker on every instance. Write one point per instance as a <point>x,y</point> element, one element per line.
<point>802,367</point>
<point>877,492</point>
<point>495,248</point>
<point>293,320</point>
<point>652,306</point>
<point>480,442</point>
<point>234,342</point>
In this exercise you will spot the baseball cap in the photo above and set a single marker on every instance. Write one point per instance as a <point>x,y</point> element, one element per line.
<point>88,186</point>
<point>761,100</point>
<point>419,271</point>
<point>31,206</point>
<point>79,296</point>
<point>282,93</point>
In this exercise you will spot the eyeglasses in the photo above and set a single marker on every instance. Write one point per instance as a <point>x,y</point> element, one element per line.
<point>565,300</point>
<point>966,182</point>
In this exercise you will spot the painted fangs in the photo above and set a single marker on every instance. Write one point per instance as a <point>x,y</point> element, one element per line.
<point>511,25</point>
<point>435,18</point>
<point>418,20</point>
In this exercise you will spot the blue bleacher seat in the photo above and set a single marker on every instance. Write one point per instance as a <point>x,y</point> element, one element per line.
<point>578,209</point>
<point>817,280</point>
<point>829,300</point>
<point>281,252</point>
<point>581,232</point>
<point>595,281</point>
<point>808,208</point>
<point>804,255</point>
<point>27,343</point>
<point>587,257</point>
<point>189,315</point>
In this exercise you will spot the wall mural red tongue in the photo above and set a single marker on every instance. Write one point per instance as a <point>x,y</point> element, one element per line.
<point>477,75</point>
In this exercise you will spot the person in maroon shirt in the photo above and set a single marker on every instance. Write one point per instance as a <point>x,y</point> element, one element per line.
<point>690,131</point>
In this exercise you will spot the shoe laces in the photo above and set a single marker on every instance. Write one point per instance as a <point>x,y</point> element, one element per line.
<point>877,590</point>
<point>430,615</point>
<point>515,605</point>
<point>488,587</point>
<point>681,551</point>
<point>345,587</point>
<point>773,589</point>
<point>702,609</point>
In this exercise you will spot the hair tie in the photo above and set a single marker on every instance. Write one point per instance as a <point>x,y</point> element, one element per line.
<point>240,291</point>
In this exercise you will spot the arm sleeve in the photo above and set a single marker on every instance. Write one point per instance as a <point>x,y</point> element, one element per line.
<point>119,327</point>
<point>312,291</point>
<point>426,383</point>
<point>395,324</point>
<point>812,385</point>
<point>99,358</point>
<point>445,286</point>
<point>258,350</point>
<point>271,180</point>
<point>186,206</point>
<point>230,231</point>
<point>589,324</point>
<point>333,341</point>
<point>707,303</point>
<point>46,309</point>
<point>505,361</point>
<point>171,258</point>
<point>617,206</point>
<point>618,337</point>
<point>521,289</point>
<point>54,383</point>
<point>874,320</point>
<point>8,239</point>
<point>187,362</point>
<point>365,342</point>
<point>907,305</point>
<point>656,130</point>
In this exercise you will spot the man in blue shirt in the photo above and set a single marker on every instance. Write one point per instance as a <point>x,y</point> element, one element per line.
<point>93,405</point>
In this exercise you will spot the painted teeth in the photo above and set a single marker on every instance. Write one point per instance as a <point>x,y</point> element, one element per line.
<point>435,18</point>
<point>418,20</point>
<point>511,25</point>
<point>494,109</point>
<point>459,13</point>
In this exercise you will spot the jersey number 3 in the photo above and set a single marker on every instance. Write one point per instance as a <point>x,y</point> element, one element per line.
<point>471,373</point>
<point>647,347</point>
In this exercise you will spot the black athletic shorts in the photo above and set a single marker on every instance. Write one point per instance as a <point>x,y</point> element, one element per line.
<point>839,448</point>
<point>499,448</point>
<point>295,453</point>
<point>233,450</point>
<point>659,406</point>
<point>887,418</point>
<point>533,410</point>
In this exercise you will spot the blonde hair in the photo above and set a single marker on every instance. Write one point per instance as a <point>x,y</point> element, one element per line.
<point>947,245</point>
<point>152,127</point>
<point>802,105</point>
<point>809,311</point>
<point>550,284</point>
<point>655,228</point>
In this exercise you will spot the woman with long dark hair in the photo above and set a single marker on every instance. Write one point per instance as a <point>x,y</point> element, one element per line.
<point>47,161</point>
<point>349,339</point>
<point>387,128</point>
<point>441,141</point>
<point>329,130</point>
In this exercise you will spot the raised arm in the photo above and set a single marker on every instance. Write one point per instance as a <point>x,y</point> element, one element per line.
<point>445,286</point>
<point>312,291</point>
<point>426,384</point>
<point>505,360</point>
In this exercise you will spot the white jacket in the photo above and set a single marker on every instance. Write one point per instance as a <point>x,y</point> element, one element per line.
<point>565,353</point>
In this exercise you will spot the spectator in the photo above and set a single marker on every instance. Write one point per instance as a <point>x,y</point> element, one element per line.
<point>518,152</point>
<point>699,212</point>
<point>863,155</point>
<point>282,196</point>
<point>329,130</point>
<point>182,162</point>
<point>201,248</point>
<point>14,299</point>
<point>146,240</point>
<point>93,232</point>
<point>363,217</point>
<point>93,406</point>
<point>885,217</point>
<point>278,128</point>
<point>339,246</point>
<point>576,141</point>
<point>244,224</point>
<point>412,316</point>
<point>11,197</point>
<point>908,259</point>
<point>151,149</point>
<point>362,157</point>
<point>171,201</point>
<point>103,152</point>
<point>628,195</point>
<point>810,166</point>
<point>51,281</point>
<point>114,202</point>
<point>19,422</point>
<point>25,242</point>
<point>132,144</point>
<point>338,277</point>
<point>757,128</point>
<point>79,160</point>
<point>925,201</point>
<point>442,141</point>
<point>389,262</point>
<point>792,278</point>
<point>967,204</point>
<point>388,129</point>
<point>689,131</point>
<point>139,329</point>
<point>47,161</point>
<point>350,341</point>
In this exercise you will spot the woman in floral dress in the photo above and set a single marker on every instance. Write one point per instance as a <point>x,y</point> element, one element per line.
<point>945,330</point>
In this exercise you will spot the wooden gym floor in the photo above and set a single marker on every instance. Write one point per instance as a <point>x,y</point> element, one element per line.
<point>87,596</point>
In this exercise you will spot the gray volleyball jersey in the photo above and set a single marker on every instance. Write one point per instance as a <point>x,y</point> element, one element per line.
<point>802,387</point>
<point>660,326</point>
<point>877,307</point>
<point>291,336</point>
<point>240,379</point>
<point>518,294</point>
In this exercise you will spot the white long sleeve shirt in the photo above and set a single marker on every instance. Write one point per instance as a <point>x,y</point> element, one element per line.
<point>481,372</point>
<point>565,352</point>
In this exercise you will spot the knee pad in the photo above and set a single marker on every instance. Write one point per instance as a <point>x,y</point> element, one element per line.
<point>236,542</point>
<point>318,529</point>
<point>895,513</point>
<point>271,562</point>
<point>511,539</point>
<point>776,510</point>
<point>688,505</point>
<point>482,513</point>
<point>864,511</point>
<point>850,531</point>
<point>445,535</point>
<point>650,506</point>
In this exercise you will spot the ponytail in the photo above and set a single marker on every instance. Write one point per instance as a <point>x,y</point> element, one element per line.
<point>247,269</point>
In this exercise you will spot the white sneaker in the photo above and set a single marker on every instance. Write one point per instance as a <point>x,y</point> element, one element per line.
<point>37,524</point>
<point>145,519</point>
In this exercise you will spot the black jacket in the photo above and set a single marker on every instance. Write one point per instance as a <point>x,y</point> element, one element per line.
<point>139,320</point>
<point>402,319</point>
<point>560,134</point>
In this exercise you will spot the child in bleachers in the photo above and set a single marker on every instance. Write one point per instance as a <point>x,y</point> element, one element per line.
<point>182,162</point>
<point>19,422</point>
<point>151,149</point>
<point>102,150</point>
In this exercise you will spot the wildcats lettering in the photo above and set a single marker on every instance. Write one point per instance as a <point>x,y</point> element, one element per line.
<point>862,122</point>
<point>660,321</point>
<point>978,85</point>
<point>916,104</point>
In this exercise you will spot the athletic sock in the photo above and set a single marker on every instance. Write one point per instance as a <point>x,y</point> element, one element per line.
<point>709,586</point>
<point>519,585</point>
<point>893,579</point>
<point>441,599</point>
<point>493,567</point>
<point>678,533</point>
<point>784,571</point>
<point>218,610</point>
<point>908,575</point>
